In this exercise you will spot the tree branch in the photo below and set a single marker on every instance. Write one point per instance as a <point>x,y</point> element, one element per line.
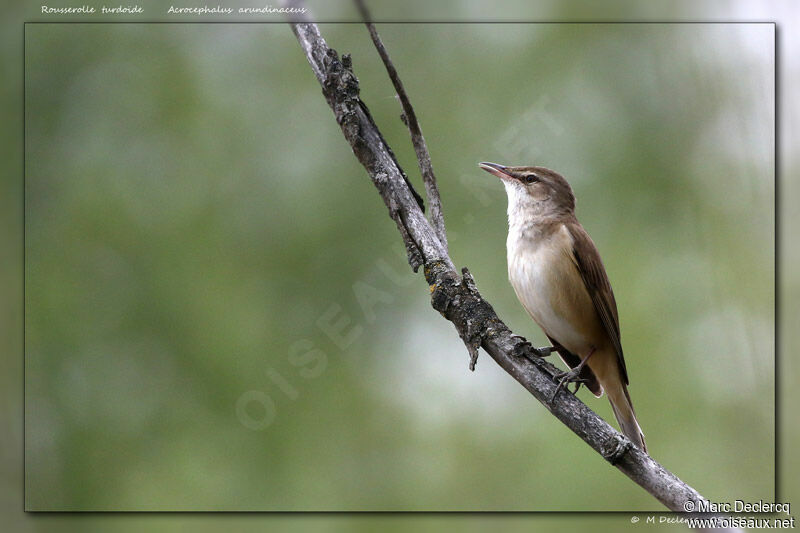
<point>410,119</point>
<point>456,296</point>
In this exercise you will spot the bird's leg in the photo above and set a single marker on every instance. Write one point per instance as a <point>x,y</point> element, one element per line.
<point>538,352</point>
<point>544,351</point>
<point>571,376</point>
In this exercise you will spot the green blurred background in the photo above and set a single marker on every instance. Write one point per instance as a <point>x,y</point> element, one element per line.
<point>192,212</point>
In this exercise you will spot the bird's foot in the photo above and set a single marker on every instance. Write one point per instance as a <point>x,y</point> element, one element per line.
<point>565,378</point>
<point>526,349</point>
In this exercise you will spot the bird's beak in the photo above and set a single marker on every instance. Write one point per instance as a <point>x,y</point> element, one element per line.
<point>498,170</point>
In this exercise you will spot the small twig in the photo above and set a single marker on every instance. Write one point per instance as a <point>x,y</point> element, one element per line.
<point>420,147</point>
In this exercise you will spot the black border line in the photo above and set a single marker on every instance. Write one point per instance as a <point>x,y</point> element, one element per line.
<point>24,263</point>
<point>671,22</point>
<point>777,255</point>
<point>776,269</point>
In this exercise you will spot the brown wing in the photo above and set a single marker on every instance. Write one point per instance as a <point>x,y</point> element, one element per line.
<point>594,276</point>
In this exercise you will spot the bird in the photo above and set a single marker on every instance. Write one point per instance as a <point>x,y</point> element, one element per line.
<point>559,278</point>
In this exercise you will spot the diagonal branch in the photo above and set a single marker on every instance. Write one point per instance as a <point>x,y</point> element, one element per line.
<point>456,296</point>
<point>410,119</point>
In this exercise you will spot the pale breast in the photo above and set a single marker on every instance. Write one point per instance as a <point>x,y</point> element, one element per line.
<point>550,288</point>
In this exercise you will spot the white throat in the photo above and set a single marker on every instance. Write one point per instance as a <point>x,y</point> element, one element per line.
<point>525,213</point>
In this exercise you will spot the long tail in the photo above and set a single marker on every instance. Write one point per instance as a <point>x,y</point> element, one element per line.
<point>626,416</point>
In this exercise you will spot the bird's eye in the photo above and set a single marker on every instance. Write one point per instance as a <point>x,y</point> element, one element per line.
<point>531,178</point>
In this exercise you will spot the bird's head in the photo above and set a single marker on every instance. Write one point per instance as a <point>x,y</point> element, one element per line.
<point>534,191</point>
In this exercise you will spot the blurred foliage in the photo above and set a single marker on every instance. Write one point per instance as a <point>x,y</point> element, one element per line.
<point>192,211</point>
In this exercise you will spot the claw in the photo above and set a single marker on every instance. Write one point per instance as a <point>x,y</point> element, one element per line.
<point>521,338</point>
<point>578,382</point>
<point>565,378</point>
<point>525,348</point>
<point>572,376</point>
